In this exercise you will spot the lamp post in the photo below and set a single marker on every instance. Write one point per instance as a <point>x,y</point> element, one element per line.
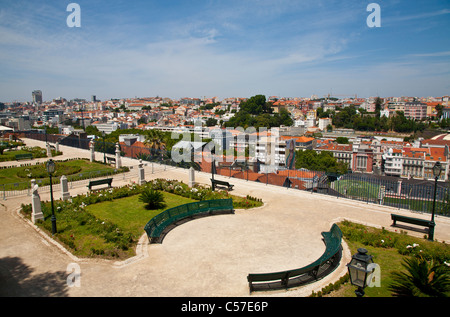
<point>359,271</point>
<point>104,149</point>
<point>437,169</point>
<point>50,170</point>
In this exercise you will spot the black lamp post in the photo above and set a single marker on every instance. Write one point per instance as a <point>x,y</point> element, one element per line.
<point>213,167</point>
<point>50,170</point>
<point>358,270</point>
<point>104,148</point>
<point>437,169</point>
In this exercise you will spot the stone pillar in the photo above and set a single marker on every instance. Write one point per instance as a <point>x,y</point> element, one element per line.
<point>91,147</point>
<point>141,173</point>
<point>65,195</point>
<point>191,177</point>
<point>36,212</point>
<point>57,146</point>
<point>49,150</point>
<point>118,161</point>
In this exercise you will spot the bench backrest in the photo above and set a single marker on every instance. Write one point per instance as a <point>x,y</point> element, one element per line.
<point>18,156</point>
<point>100,181</point>
<point>220,182</point>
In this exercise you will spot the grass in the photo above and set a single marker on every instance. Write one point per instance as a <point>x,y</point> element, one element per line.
<point>109,222</point>
<point>388,249</point>
<point>130,214</point>
<point>20,176</point>
<point>106,229</point>
<point>357,188</point>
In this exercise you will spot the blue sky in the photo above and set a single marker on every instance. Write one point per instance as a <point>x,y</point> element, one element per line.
<point>229,48</point>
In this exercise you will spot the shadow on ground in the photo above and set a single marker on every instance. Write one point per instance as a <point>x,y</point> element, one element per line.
<point>17,279</point>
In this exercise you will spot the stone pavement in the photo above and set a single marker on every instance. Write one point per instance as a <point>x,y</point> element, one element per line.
<point>207,257</point>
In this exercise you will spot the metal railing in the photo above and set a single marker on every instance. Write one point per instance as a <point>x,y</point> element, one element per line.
<point>413,194</point>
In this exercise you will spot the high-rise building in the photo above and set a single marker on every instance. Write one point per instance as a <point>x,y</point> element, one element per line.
<point>37,96</point>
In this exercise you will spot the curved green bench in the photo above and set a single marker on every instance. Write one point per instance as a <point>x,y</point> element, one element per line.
<point>155,227</point>
<point>307,274</point>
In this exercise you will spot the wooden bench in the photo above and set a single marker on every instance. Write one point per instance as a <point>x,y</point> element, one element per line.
<point>307,274</point>
<point>27,156</point>
<point>215,182</point>
<point>111,160</point>
<point>100,182</point>
<point>415,221</point>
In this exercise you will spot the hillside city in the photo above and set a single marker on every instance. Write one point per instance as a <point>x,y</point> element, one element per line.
<point>393,136</point>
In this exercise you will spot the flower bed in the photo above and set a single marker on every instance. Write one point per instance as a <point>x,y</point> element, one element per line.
<point>88,235</point>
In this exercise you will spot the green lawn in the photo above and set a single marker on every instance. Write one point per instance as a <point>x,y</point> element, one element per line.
<point>388,249</point>
<point>389,260</point>
<point>130,214</point>
<point>19,177</point>
<point>355,188</point>
<point>109,229</point>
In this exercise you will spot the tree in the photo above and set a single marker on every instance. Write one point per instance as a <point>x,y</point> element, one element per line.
<point>342,140</point>
<point>256,112</point>
<point>256,105</point>
<point>211,122</point>
<point>421,279</point>
<point>155,140</point>
<point>378,105</point>
<point>323,161</point>
<point>439,111</point>
<point>152,198</point>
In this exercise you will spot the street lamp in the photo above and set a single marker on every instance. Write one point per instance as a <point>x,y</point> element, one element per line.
<point>359,271</point>
<point>104,149</point>
<point>50,170</point>
<point>437,170</point>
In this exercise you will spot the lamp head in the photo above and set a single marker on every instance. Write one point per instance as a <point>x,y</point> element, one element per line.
<point>50,166</point>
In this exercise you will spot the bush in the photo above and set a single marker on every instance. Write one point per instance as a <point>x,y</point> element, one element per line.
<point>405,245</point>
<point>153,198</point>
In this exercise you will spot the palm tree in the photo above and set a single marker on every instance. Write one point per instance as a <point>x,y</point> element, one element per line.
<point>155,140</point>
<point>152,198</point>
<point>422,279</point>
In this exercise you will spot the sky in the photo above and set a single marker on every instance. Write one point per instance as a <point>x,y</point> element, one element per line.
<point>223,48</point>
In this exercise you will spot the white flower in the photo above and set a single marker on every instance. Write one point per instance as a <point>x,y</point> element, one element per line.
<point>415,245</point>
<point>445,262</point>
<point>408,246</point>
<point>382,241</point>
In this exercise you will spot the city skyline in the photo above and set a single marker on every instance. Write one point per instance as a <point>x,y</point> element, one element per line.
<point>232,48</point>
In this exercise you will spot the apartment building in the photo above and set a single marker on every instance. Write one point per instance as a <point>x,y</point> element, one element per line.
<point>416,110</point>
<point>393,162</point>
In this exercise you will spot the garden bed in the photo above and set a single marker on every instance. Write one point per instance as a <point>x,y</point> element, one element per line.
<point>389,249</point>
<point>108,223</point>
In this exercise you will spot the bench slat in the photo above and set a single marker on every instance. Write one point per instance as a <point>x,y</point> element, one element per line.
<point>411,220</point>
<point>100,182</point>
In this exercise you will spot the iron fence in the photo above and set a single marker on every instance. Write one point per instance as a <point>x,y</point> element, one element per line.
<point>413,194</point>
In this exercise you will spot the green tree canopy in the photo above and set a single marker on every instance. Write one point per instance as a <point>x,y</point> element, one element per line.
<point>323,161</point>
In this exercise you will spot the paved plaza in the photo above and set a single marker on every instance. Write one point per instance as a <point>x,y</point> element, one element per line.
<point>210,256</point>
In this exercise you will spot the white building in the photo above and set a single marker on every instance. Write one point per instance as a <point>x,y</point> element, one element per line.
<point>393,162</point>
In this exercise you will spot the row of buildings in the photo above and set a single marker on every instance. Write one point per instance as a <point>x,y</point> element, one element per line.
<point>268,148</point>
